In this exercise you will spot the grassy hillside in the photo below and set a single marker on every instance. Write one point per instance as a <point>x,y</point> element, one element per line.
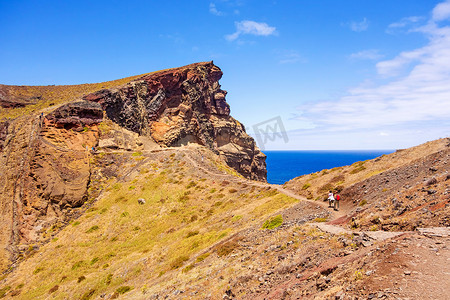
<point>119,244</point>
<point>316,185</point>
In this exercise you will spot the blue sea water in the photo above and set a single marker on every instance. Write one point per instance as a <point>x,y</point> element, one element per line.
<point>285,165</point>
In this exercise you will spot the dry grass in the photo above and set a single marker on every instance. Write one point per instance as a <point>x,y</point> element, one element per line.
<point>121,243</point>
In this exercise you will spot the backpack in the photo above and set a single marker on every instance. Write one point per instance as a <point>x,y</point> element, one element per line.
<point>338,197</point>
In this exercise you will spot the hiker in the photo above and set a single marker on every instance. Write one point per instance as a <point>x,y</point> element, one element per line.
<point>330,199</point>
<point>337,198</point>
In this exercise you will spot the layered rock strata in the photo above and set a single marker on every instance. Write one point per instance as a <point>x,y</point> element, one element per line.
<point>180,106</point>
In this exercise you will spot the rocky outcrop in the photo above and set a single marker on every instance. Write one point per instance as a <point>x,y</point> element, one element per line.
<point>180,106</point>
<point>44,175</point>
<point>76,115</point>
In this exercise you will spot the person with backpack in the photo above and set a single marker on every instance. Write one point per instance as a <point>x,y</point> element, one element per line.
<point>330,199</point>
<point>337,198</point>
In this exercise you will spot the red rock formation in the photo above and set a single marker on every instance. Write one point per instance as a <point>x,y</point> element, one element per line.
<point>184,105</point>
<point>76,115</point>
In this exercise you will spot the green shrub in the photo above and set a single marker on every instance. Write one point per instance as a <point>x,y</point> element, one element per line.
<point>94,260</point>
<point>188,268</point>
<point>320,220</point>
<point>178,262</point>
<point>358,275</point>
<point>88,295</point>
<point>123,289</point>
<point>191,184</point>
<point>92,229</point>
<point>362,202</point>
<point>108,279</point>
<point>191,233</point>
<point>203,257</point>
<point>77,265</point>
<point>4,290</point>
<point>236,218</point>
<point>306,186</point>
<point>273,222</point>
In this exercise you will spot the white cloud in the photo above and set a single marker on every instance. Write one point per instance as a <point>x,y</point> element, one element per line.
<point>394,66</point>
<point>403,24</point>
<point>372,54</point>
<point>417,99</point>
<point>359,26</point>
<point>213,10</point>
<point>251,27</point>
<point>441,11</point>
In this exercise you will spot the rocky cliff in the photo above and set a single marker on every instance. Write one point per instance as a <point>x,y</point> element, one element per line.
<point>180,106</point>
<point>46,172</point>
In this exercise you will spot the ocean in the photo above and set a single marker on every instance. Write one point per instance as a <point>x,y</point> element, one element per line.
<point>282,166</point>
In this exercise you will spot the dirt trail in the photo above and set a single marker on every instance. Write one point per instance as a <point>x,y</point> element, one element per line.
<point>190,150</point>
<point>389,260</point>
<point>334,214</point>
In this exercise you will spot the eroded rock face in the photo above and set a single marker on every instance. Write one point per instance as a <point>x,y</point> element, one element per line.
<point>76,115</point>
<point>44,173</point>
<point>184,105</point>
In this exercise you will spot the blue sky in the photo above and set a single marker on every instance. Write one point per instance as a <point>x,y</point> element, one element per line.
<point>340,74</point>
